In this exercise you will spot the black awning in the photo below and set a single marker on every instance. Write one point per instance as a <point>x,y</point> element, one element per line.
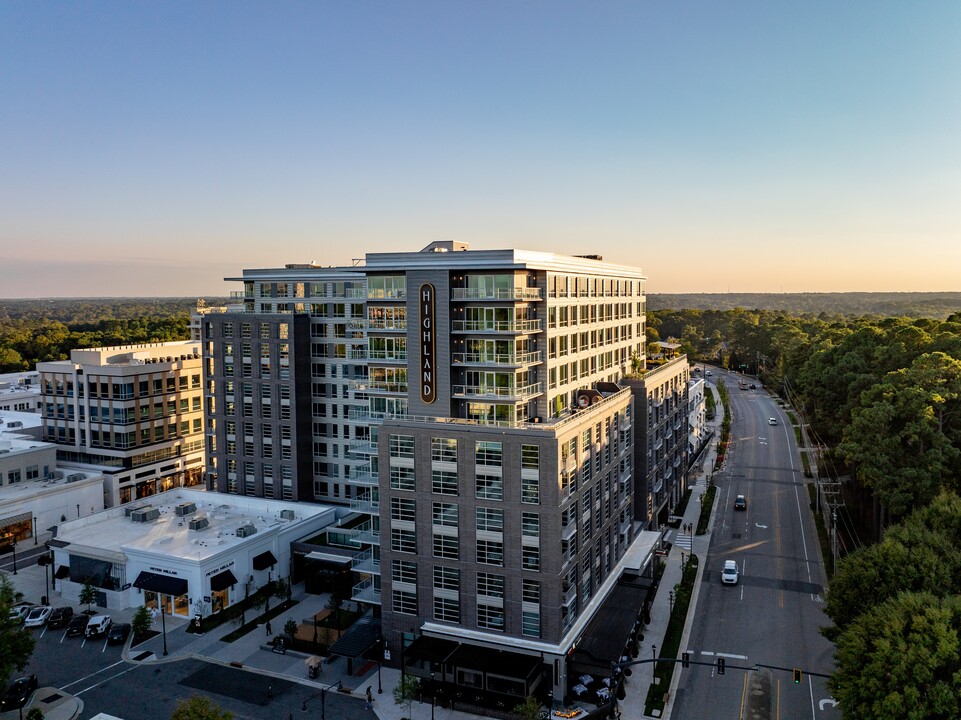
<point>63,572</point>
<point>499,662</point>
<point>164,584</point>
<point>264,560</point>
<point>222,581</point>
<point>357,641</point>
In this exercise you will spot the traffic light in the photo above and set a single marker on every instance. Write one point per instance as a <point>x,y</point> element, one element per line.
<point>797,676</point>
<point>720,666</point>
<point>685,659</point>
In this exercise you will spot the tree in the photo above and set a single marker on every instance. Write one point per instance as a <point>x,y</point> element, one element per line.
<point>905,435</point>
<point>200,707</point>
<point>406,691</point>
<point>902,659</point>
<point>141,622</point>
<point>88,594</point>
<point>16,642</point>
<point>290,627</point>
<point>35,714</point>
<point>530,709</point>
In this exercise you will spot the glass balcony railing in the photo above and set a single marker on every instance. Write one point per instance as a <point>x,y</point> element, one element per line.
<point>496,326</point>
<point>517,293</point>
<point>506,359</point>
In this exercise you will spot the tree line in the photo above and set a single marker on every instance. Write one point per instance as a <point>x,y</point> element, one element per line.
<point>33,331</point>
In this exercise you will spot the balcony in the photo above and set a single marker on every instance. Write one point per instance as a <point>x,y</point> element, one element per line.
<point>363,447</point>
<point>365,479</point>
<point>366,592</point>
<point>568,530</point>
<point>378,386</point>
<point>365,562</point>
<point>387,325</point>
<point>487,392</point>
<point>367,535</point>
<point>505,360</point>
<point>517,293</point>
<point>502,327</point>
<point>357,354</point>
<point>366,503</point>
<point>388,295</point>
<point>569,596</point>
<point>379,356</point>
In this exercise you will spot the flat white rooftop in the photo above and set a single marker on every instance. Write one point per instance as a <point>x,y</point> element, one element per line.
<point>29,489</point>
<point>170,536</point>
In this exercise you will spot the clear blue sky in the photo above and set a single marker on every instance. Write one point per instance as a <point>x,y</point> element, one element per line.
<point>153,148</point>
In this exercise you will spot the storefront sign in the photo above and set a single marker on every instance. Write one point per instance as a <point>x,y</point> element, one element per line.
<point>219,569</point>
<point>428,389</point>
<point>165,571</point>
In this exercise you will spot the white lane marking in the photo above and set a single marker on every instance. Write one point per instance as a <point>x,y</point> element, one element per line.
<point>759,525</point>
<point>827,701</point>
<point>732,656</point>
<point>79,680</point>
<point>112,677</point>
<point>706,652</point>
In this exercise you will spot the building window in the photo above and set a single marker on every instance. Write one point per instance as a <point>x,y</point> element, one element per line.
<point>446,546</point>
<point>401,478</point>
<point>530,491</point>
<point>446,578</point>
<point>489,487</point>
<point>445,514</point>
<point>530,457</point>
<point>444,482</point>
<point>490,552</point>
<point>490,520</point>
<point>405,602</point>
<point>447,609</point>
<point>490,617</point>
<point>404,571</point>
<point>404,541</point>
<point>490,585</point>
<point>403,509</point>
<point>531,558</point>
<point>443,450</point>
<point>530,524</point>
<point>488,453</point>
<point>401,446</point>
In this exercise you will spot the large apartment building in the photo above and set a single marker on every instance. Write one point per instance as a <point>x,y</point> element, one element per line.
<point>468,407</point>
<point>134,413</point>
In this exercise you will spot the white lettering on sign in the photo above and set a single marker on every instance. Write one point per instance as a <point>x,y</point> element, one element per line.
<point>427,353</point>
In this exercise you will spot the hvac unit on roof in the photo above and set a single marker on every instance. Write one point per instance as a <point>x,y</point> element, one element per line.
<point>55,475</point>
<point>198,523</point>
<point>185,508</point>
<point>145,514</point>
<point>245,531</point>
<point>286,514</point>
<point>74,477</point>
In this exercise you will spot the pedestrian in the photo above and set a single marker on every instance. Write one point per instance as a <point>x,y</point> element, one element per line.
<point>370,698</point>
<point>269,631</point>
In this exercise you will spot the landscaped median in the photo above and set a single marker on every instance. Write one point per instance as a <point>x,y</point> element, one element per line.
<point>663,671</point>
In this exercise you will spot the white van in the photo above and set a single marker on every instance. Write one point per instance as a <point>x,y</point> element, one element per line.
<point>98,625</point>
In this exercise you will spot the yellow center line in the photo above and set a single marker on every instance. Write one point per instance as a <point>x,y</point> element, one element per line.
<point>743,697</point>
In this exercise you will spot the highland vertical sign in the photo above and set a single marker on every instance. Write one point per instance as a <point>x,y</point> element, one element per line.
<point>428,389</point>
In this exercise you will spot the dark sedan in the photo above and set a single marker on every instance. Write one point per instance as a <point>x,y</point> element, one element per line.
<point>117,634</point>
<point>77,626</point>
<point>19,692</point>
<point>60,617</point>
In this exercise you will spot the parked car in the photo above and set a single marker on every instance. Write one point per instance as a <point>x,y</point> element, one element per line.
<point>740,503</point>
<point>19,612</point>
<point>59,616</point>
<point>38,616</point>
<point>772,421</point>
<point>98,625</point>
<point>729,573</point>
<point>118,633</point>
<point>77,626</point>
<point>753,386</point>
<point>19,693</point>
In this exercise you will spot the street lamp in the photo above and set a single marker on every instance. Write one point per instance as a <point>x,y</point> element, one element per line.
<point>671,598</point>
<point>163,623</point>
<point>654,656</point>
<point>323,699</point>
<point>34,529</point>
<point>433,696</point>
<point>380,661</point>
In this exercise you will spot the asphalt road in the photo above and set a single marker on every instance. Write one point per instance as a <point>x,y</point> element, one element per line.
<point>772,616</point>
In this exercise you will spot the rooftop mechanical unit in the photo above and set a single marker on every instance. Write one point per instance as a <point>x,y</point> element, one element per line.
<point>246,531</point>
<point>184,509</point>
<point>145,514</point>
<point>198,523</point>
<point>287,514</point>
